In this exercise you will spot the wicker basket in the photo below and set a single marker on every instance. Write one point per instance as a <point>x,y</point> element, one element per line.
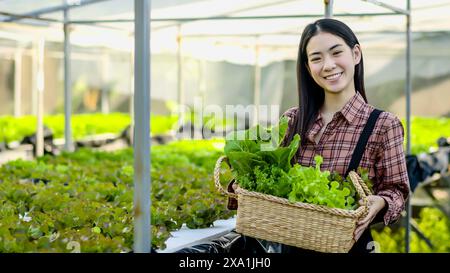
<point>307,226</point>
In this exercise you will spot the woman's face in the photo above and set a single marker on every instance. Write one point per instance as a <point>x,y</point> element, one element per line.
<point>331,62</point>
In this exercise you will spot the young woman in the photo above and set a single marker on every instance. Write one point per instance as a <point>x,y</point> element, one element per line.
<point>330,119</point>
<point>332,113</point>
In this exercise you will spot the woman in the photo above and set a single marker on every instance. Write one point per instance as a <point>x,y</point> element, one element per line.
<point>330,119</point>
<point>332,113</point>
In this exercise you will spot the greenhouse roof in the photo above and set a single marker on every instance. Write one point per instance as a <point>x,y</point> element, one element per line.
<point>428,14</point>
<point>274,22</point>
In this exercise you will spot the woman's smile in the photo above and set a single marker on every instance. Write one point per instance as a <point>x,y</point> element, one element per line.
<point>333,77</point>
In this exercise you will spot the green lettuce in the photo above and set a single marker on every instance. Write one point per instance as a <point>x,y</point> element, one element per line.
<point>260,164</point>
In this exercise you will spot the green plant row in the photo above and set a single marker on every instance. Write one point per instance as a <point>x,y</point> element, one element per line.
<point>434,224</point>
<point>15,129</point>
<point>425,131</point>
<point>85,198</point>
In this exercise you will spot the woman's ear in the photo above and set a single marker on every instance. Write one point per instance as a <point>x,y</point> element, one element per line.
<point>357,54</point>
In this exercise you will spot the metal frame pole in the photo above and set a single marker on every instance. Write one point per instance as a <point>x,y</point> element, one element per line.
<point>68,145</point>
<point>328,8</point>
<point>408,116</point>
<point>388,6</point>
<point>34,72</point>
<point>131,97</point>
<point>180,93</point>
<point>215,18</point>
<point>18,82</point>
<point>36,13</point>
<point>142,182</point>
<point>257,84</point>
<point>40,98</point>
<point>105,104</point>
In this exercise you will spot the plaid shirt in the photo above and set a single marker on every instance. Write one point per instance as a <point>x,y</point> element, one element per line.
<point>383,157</point>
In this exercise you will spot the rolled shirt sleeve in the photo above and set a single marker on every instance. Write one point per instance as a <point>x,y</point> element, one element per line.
<point>391,172</point>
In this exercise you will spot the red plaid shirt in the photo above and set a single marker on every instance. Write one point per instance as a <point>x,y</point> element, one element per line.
<point>383,157</point>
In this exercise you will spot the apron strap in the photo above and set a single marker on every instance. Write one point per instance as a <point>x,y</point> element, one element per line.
<point>362,141</point>
<point>362,245</point>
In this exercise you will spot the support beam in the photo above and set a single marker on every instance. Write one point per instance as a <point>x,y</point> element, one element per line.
<point>240,10</point>
<point>131,97</point>
<point>212,18</point>
<point>180,93</point>
<point>35,14</point>
<point>408,117</point>
<point>104,91</point>
<point>20,16</point>
<point>390,7</point>
<point>40,99</point>
<point>328,8</point>
<point>18,82</point>
<point>257,84</point>
<point>34,73</point>
<point>142,182</point>
<point>68,144</point>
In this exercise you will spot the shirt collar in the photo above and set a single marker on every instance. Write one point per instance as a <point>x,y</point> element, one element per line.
<point>354,106</point>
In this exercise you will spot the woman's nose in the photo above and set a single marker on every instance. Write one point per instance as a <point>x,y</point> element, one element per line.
<point>329,64</point>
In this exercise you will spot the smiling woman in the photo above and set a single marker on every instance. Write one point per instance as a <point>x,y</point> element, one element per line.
<point>331,63</point>
<point>331,119</point>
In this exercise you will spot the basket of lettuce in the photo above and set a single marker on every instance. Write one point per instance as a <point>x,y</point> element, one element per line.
<point>290,204</point>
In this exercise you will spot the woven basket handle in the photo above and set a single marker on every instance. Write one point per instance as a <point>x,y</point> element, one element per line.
<point>217,176</point>
<point>360,187</point>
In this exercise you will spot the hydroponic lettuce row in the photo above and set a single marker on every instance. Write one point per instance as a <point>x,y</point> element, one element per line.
<point>86,198</point>
<point>83,125</point>
<point>260,164</point>
<point>424,130</point>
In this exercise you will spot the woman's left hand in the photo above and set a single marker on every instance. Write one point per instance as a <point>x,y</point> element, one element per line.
<point>375,204</point>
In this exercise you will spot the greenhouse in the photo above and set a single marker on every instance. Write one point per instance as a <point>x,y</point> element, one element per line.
<point>117,119</point>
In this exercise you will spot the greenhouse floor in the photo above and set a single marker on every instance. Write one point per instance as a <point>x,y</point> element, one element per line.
<point>187,237</point>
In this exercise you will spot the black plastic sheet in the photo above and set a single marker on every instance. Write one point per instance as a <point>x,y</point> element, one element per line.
<point>231,242</point>
<point>236,243</point>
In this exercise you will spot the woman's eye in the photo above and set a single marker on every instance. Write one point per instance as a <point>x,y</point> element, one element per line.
<point>315,59</point>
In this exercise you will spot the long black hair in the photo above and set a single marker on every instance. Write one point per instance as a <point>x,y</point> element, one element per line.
<point>311,96</point>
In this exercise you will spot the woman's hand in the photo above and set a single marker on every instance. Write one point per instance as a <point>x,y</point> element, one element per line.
<point>375,204</point>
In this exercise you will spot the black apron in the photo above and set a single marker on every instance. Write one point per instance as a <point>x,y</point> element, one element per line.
<point>363,243</point>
